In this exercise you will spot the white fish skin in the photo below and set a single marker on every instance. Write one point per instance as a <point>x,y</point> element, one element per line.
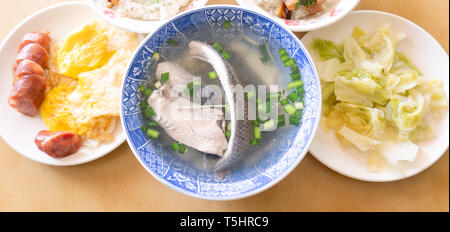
<point>198,127</point>
<point>240,129</point>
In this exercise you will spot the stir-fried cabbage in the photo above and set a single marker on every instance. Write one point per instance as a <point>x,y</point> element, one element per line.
<point>368,86</point>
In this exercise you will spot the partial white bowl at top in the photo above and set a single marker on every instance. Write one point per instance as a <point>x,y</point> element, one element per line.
<point>133,24</point>
<point>335,11</point>
<point>423,51</point>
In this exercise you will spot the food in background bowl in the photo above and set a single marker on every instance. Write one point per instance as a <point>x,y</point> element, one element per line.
<point>294,9</point>
<point>147,9</point>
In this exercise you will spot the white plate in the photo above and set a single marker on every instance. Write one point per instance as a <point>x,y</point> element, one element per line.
<point>18,130</point>
<point>424,51</point>
<point>336,11</point>
<point>130,24</point>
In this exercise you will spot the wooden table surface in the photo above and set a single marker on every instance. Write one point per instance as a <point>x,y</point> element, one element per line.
<point>117,182</point>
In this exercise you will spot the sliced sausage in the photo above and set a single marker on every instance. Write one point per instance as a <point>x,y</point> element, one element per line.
<point>27,67</point>
<point>58,144</point>
<point>27,94</point>
<point>40,38</point>
<point>34,52</point>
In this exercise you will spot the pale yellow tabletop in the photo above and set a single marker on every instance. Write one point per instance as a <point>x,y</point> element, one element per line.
<point>117,182</point>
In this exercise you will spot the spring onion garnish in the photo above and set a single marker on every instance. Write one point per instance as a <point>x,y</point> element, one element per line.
<point>264,54</point>
<point>156,56</point>
<point>295,68</point>
<point>141,89</point>
<point>226,55</point>
<point>158,85</point>
<point>173,42</point>
<point>254,142</point>
<point>144,105</point>
<point>295,84</point>
<point>152,123</point>
<point>212,75</point>
<point>293,97</point>
<point>250,94</point>
<point>269,125</point>
<point>295,76</point>
<point>255,123</point>
<point>229,127</point>
<point>301,90</point>
<point>298,105</point>
<point>218,47</point>
<point>227,108</point>
<point>282,52</point>
<point>182,148</point>
<point>289,109</point>
<point>257,132</point>
<point>281,121</point>
<point>153,133</point>
<point>284,102</point>
<point>227,134</point>
<point>289,62</point>
<point>164,77</point>
<point>149,112</point>
<point>147,92</point>
<point>285,58</point>
<point>226,25</point>
<point>294,120</point>
<point>175,146</point>
<point>144,129</point>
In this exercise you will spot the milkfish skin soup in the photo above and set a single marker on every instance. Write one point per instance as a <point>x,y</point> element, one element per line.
<point>222,101</point>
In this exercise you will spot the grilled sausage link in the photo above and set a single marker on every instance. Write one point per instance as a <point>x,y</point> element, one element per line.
<point>29,83</point>
<point>58,144</point>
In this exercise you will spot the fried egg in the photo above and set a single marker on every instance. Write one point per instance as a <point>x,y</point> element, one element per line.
<point>86,73</point>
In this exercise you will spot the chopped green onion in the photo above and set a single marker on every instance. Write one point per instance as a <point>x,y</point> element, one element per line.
<point>301,90</point>
<point>261,121</point>
<point>264,53</point>
<point>144,105</point>
<point>152,123</point>
<point>147,92</point>
<point>173,42</point>
<point>227,108</point>
<point>227,25</point>
<point>218,47</point>
<point>149,112</point>
<point>158,85</point>
<point>298,105</point>
<point>285,58</point>
<point>229,127</point>
<point>269,125</point>
<point>284,102</point>
<point>182,149</point>
<point>156,56</point>
<point>281,121</point>
<point>175,146</point>
<point>164,77</point>
<point>257,132</point>
<point>144,129</point>
<point>295,76</point>
<point>255,123</point>
<point>141,89</point>
<point>226,55</point>
<point>282,52</point>
<point>289,109</point>
<point>293,97</point>
<point>294,84</point>
<point>213,75</point>
<point>294,120</point>
<point>153,133</point>
<point>227,134</point>
<point>295,68</point>
<point>254,142</point>
<point>289,62</point>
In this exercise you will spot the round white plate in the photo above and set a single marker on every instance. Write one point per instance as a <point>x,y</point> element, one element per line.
<point>18,130</point>
<point>336,11</point>
<point>130,24</point>
<point>428,55</point>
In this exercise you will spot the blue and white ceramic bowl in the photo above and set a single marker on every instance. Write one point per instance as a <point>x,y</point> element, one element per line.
<point>178,173</point>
